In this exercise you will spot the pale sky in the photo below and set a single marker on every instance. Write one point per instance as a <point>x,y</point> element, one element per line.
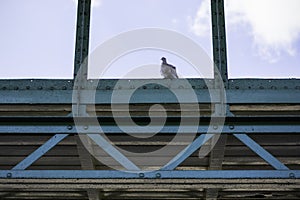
<point>38,37</point>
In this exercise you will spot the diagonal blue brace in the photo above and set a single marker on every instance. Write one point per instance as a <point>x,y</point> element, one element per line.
<point>40,152</point>
<point>113,152</point>
<point>269,158</point>
<point>189,150</point>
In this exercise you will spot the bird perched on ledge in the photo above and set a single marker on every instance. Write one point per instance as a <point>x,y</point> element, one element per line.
<point>168,71</point>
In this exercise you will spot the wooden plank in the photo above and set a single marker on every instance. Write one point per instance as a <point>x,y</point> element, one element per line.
<point>264,140</point>
<point>70,150</point>
<point>145,108</point>
<point>65,161</point>
<point>265,108</point>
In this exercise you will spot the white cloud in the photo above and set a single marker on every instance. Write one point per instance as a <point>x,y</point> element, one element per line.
<point>95,3</point>
<point>174,21</point>
<point>200,25</point>
<point>274,24</point>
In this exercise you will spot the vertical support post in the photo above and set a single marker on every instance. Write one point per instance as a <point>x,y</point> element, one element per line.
<point>81,67</point>
<point>87,163</point>
<point>219,39</point>
<point>215,163</point>
<point>82,50</point>
<point>220,74</point>
<point>82,33</point>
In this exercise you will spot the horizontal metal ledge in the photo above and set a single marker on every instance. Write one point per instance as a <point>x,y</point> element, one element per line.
<point>263,96</point>
<point>274,84</point>
<point>105,120</point>
<point>63,84</point>
<point>101,96</point>
<point>228,125</point>
<point>172,129</point>
<point>150,96</point>
<point>180,174</point>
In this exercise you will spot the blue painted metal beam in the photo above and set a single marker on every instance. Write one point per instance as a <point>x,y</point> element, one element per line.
<point>269,158</point>
<point>40,151</point>
<point>227,129</point>
<point>264,84</point>
<point>101,97</point>
<point>184,174</point>
<point>263,96</point>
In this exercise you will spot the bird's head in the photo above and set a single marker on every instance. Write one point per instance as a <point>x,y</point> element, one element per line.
<point>163,59</point>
